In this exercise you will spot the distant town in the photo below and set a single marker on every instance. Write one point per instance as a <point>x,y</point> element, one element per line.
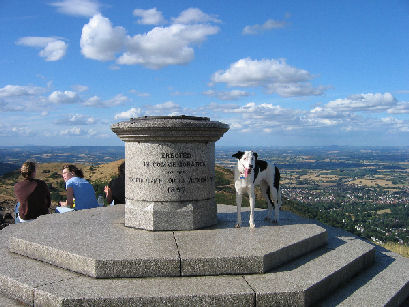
<point>364,190</point>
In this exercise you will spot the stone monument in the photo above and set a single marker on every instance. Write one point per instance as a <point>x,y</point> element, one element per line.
<point>170,179</point>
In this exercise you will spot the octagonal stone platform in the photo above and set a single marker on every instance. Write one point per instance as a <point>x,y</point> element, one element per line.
<point>99,245</point>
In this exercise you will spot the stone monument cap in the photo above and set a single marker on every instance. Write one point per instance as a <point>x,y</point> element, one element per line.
<point>171,117</point>
<point>171,129</point>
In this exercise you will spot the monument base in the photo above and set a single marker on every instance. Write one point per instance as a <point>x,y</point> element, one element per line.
<point>162,216</point>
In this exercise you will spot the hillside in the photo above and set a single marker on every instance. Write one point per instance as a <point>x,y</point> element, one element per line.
<point>100,175</point>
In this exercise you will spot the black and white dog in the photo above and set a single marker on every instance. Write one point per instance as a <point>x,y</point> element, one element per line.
<point>250,172</point>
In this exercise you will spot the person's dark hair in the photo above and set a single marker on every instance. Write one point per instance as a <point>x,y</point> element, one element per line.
<point>27,169</point>
<point>72,168</point>
<point>121,169</point>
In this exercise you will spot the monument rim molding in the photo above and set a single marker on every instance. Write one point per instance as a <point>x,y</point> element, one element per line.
<point>170,129</point>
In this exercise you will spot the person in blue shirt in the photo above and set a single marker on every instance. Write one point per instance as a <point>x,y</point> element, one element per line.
<point>79,188</point>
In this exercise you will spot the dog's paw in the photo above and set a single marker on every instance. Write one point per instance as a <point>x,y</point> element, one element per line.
<point>252,225</point>
<point>237,226</point>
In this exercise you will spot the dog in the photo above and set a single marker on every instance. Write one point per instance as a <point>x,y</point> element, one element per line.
<point>250,172</point>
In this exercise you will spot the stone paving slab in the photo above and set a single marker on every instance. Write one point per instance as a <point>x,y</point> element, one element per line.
<point>163,291</point>
<point>302,283</point>
<point>245,251</point>
<point>7,302</point>
<point>102,247</point>
<point>19,276</point>
<point>385,283</point>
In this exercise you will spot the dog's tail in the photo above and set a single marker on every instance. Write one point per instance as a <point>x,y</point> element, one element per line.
<point>276,177</point>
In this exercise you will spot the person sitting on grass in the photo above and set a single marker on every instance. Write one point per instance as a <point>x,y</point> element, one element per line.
<point>115,191</point>
<point>79,188</point>
<point>32,194</point>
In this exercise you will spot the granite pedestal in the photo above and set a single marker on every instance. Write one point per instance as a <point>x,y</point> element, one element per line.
<point>170,179</point>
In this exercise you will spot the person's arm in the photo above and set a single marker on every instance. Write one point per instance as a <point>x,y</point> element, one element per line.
<point>108,194</point>
<point>48,196</point>
<point>70,198</point>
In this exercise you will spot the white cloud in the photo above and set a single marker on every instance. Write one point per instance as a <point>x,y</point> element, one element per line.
<point>168,108</point>
<point>268,25</point>
<point>163,46</point>
<point>100,40</point>
<point>20,98</point>
<point>194,15</point>
<point>228,95</point>
<point>131,113</point>
<point>78,119</point>
<point>53,49</point>
<point>364,102</point>
<point>82,8</point>
<point>401,107</point>
<point>140,94</point>
<point>9,131</point>
<point>95,101</point>
<point>160,47</point>
<point>149,17</point>
<point>80,88</point>
<point>20,90</point>
<point>65,97</point>
<point>74,131</point>
<point>275,76</point>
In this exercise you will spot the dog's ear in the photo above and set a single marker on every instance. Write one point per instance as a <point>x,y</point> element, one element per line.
<point>255,155</point>
<point>238,155</point>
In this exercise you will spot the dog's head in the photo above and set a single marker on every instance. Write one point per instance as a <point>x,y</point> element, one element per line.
<point>246,161</point>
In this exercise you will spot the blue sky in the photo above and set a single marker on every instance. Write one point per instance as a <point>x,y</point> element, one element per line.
<point>278,72</point>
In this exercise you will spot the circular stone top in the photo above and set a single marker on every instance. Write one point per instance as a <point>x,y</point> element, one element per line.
<point>170,129</point>
<point>171,117</point>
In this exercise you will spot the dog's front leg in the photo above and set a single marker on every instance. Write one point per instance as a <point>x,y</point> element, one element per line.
<point>251,200</point>
<point>238,204</point>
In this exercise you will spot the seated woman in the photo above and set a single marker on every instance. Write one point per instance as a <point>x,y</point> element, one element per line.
<point>32,194</point>
<point>79,188</point>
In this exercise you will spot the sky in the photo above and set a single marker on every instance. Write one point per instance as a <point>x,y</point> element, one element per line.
<point>278,72</point>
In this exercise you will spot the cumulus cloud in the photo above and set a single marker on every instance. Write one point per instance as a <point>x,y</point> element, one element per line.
<point>19,98</point>
<point>80,88</point>
<point>377,102</point>
<point>194,15</point>
<point>169,108</point>
<point>164,46</point>
<point>52,49</point>
<point>149,17</point>
<point>64,97</point>
<point>160,47</point>
<point>78,119</point>
<point>401,107</point>
<point>227,95</point>
<point>275,76</point>
<point>82,8</point>
<point>268,25</point>
<point>74,131</point>
<point>100,40</point>
<point>131,113</point>
<point>20,90</point>
<point>96,101</point>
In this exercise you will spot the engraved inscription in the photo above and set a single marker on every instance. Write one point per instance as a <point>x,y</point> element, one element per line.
<point>179,173</point>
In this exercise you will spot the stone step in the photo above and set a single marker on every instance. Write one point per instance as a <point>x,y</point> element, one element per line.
<point>301,282</point>
<point>102,247</point>
<point>309,279</point>
<point>386,283</point>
